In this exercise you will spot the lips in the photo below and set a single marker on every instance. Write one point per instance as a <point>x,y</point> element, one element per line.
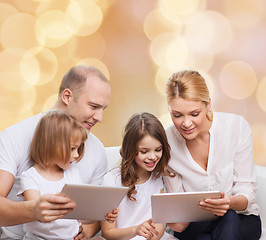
<point>88,125</point>
<point>150,164</point>
<point>188,131</point>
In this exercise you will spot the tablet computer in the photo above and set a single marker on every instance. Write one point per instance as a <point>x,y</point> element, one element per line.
<point>93,201</point>
<point>181,207</point>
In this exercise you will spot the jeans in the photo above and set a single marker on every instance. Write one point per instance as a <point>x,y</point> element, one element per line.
<point>231,226</point>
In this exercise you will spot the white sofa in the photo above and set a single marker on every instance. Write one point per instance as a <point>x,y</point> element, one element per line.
<point>113,157</point>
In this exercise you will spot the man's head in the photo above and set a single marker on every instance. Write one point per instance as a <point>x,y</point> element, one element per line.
<point>84,93</point>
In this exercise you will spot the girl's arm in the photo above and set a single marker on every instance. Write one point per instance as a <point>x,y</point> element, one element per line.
<point>147,229</point>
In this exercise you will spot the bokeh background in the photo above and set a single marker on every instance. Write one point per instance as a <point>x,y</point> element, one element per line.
<point>137,44</point>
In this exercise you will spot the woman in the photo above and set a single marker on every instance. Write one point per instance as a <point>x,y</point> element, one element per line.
<point>211,151</point>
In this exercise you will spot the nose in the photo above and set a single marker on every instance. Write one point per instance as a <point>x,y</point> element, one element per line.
<point>187,123</point>
<point>75,154</point>
<point>98,116</point>
<point>152,156</point>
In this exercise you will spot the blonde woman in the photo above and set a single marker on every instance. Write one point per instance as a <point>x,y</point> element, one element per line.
<point>211,151</point>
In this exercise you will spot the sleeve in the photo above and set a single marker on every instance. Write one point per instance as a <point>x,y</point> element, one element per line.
<point>27,181</point>
<point>244,174</point>
<point>112,178</point>
<point>101,169</point>
<point>173,184</point>
<point>8,152</point>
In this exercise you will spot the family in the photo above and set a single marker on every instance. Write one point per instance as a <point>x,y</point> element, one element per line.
<point>201,150</point>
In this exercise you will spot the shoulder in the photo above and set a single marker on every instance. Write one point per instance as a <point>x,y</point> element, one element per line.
<point>113,177</point>
<point>230,120</point>
<point>22,127</point>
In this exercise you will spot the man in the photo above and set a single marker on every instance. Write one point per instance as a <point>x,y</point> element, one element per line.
<point>84,94</point>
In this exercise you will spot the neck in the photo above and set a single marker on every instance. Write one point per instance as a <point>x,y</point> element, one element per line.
<point>143,176</point>
<point>51,173</point>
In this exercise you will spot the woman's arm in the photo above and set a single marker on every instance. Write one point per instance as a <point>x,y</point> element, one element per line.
<point>147,229</point>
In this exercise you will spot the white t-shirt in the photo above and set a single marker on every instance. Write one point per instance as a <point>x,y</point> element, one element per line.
<point>230,162</point>
<point>14,158</point>
<point>134,213</point>
<point>61,229</point>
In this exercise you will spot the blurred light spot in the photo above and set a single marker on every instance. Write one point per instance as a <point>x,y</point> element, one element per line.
<point>177,53</point>
<point>38,66</point>
<point>172,8</point>
<point>261,95</point>
<point>159,46</point>
<point>18,32</point>
<point>47,5</point>
<point>248,12</point>
<point>13,118</point>
<point>259,142</point>
<point>10,77</point>
<point>198,61</point>
<point>51,29</point>
<point>79,47</point>
<point>155,23</point>
<point>208,32</point>
<point>161,77</point>
<point>17,102</point>
<point>6,11</point>
<point>97,64</point>
<point>238,79</point>
<point>83,17</point>
<point>166,120</point>
<point>50,102</point>
<point>28,6</point>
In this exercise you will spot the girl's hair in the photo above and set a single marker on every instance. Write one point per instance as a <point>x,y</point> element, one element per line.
<point>139,126</point>
<point>188,85</point>
<point>52,138</point>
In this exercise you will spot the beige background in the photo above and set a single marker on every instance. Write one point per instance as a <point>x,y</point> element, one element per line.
<point>137,44</point>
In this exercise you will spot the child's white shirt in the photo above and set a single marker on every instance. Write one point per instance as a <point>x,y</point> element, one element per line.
<point>63,229</point>
<point>134,213</point>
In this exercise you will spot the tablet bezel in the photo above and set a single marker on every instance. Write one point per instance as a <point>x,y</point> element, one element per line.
<point>93,201</point>
<point>181,207</point>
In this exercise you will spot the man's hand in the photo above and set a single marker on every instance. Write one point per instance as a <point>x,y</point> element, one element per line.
<point>50,207</point>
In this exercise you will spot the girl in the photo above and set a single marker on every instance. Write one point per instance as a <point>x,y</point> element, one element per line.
<point>145,155</point>
<point>57,143</point>
<point>211,151</point>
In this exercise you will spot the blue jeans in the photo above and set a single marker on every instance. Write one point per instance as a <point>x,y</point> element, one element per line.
<point>231,226</point>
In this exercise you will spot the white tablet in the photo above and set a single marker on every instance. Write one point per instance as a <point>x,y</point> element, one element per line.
<point>93,201</point>
<point>180,207</point>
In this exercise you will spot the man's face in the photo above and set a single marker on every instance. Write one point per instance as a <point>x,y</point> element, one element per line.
<point>88,106</point>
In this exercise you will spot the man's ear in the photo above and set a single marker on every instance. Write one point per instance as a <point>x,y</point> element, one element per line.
<point>66,96</point>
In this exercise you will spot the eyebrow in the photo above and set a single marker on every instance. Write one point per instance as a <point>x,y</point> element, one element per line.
<point>195,110</point>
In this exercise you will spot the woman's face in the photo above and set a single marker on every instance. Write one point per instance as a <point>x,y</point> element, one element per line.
<point>189,117</point>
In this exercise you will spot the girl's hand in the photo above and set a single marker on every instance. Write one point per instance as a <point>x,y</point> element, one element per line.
<point>111,217</point>
<point>81,235</point>
<point>217,206</point>
<point>178,227</point>
<point>146,229</point>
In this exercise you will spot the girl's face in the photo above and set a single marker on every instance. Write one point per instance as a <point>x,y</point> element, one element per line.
<point>149,153</point>
<point>189,117</point>
<point>74,155</point>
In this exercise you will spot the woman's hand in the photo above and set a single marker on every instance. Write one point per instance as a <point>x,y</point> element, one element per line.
<point>111,217</point>
<point>146,229</point>
<point>217,206</point>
